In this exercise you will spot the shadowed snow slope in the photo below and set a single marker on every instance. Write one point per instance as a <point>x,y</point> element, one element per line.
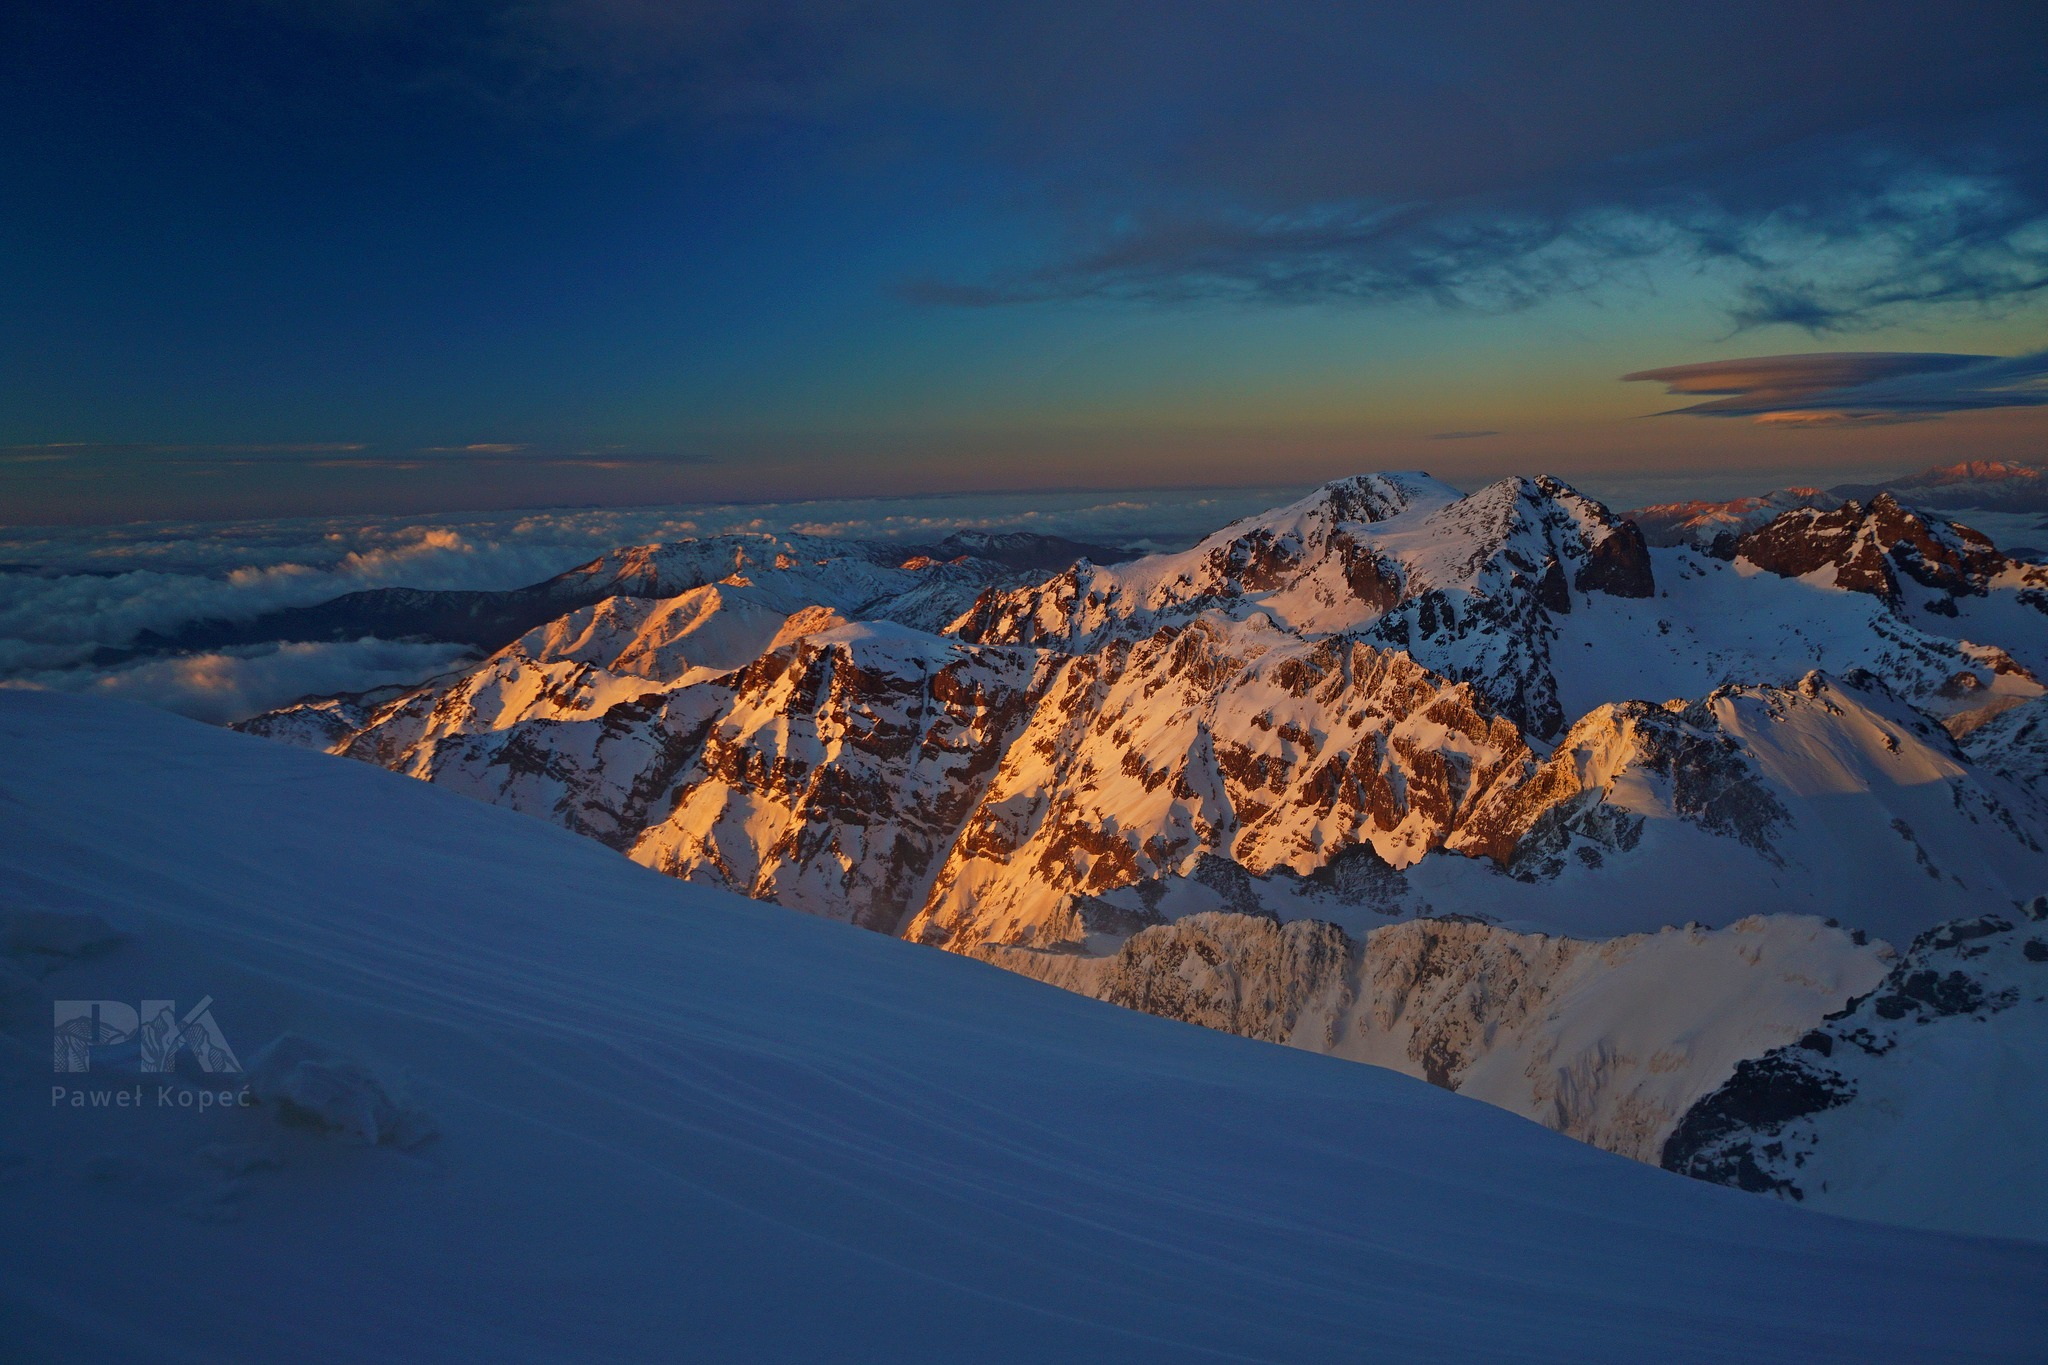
<point>672,1124</point>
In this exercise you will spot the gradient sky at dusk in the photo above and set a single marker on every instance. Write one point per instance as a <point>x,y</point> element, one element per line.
<point>263,258</point>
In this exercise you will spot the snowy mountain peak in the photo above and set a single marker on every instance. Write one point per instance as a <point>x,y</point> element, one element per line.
<point>1875,547</point>
<point>1467,584</point>
<point>1354,498</point>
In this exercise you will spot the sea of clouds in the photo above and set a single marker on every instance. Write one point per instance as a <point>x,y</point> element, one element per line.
<point>69,593</point>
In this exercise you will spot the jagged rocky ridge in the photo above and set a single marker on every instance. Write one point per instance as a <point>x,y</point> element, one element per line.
<point>1387,702</point>
<point>1975,485</point>
<point>1877,547</point>
<point>1466,586</point>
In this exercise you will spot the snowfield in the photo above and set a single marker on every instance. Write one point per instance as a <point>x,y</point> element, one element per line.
<point>618,1117</point>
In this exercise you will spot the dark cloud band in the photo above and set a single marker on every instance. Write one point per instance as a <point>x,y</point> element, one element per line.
<point>1831,387</point>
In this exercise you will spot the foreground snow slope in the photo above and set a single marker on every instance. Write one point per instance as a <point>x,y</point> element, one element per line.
<point>673,1124</point>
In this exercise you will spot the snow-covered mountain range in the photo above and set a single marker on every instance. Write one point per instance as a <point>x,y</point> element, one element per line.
<point>1989,485</point>
<point>1388,701</point>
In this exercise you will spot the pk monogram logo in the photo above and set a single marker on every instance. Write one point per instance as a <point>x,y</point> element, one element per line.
<point>159,1032</point>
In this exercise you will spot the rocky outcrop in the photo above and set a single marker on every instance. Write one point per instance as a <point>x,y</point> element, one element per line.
<point>840,769</point>
<point>1220,737</point>
<point>1946,1048</point>
<point>1697,770</point>
<point>1255,977</point>
<point>1872,547</point>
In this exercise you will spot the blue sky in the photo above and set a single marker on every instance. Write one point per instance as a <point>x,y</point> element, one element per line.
<point>261,259</point>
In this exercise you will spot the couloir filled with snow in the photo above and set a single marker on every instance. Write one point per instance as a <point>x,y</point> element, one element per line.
<point>520,1099</point>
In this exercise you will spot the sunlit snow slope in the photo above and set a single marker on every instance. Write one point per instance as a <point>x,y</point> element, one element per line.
<point>672,1124</point>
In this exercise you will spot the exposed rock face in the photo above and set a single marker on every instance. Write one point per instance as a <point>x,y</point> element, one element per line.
<point>1870,546</point>
<point>841,769</point>
<point>829,774</point>
<point>1938,577</point>
<point>1940,1050</point>
<point>1245,975</point>
<point>1607,1042</point>
<point>1699,773</point>
<point>618,649</point>
<point>1120,781</point>
<point>1355,887</point>
<point>1483,613</point>
<point>1220,737</point>
<point>1618,564</point>
<point>1464,585</point>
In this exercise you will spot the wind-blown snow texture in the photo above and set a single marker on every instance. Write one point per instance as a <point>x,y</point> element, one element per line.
<point>668,1123</point>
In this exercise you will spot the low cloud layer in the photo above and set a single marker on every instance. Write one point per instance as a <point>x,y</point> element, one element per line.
<point>228,685</point>
<point>1835,387</point>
